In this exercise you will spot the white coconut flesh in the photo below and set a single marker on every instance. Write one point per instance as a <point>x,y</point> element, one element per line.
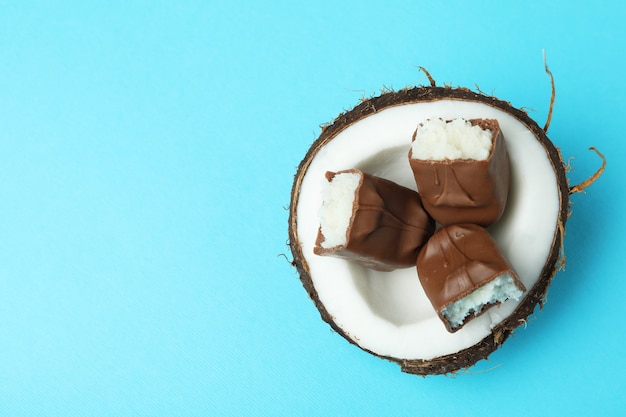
<point>498,290</point>
<point>335,214</point>
<point>388,313</point>
<point>437,140</point>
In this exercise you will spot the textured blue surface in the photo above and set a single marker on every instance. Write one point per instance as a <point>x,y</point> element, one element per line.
<point>147,151</point>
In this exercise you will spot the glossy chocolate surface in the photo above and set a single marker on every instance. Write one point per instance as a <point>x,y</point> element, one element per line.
<point>462,190</point>
<point>457,260</point>
<point>388,226</point>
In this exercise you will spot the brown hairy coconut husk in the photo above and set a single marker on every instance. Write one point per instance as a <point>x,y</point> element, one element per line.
<point>387,313</point>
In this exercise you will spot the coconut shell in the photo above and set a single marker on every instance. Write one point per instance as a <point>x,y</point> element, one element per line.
<point>481,350</point>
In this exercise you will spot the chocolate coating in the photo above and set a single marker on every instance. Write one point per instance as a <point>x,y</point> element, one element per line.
<point>388,226</point>
<point>464,190</point>
<point>457,260</point>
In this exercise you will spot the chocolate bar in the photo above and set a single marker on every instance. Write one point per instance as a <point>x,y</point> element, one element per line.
<point>464,273</point>
<point>455,191</point>
<point>387,224</point>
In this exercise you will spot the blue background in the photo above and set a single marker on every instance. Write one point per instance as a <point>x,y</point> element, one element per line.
<point>147,151</point>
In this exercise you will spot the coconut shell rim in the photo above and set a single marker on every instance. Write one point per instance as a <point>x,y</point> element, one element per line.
<point>467,357</point>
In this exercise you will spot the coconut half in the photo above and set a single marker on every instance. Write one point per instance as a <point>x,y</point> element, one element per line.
<point>387,313</point>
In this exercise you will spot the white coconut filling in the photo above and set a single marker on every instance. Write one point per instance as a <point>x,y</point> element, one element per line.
<point>437,140</point>
<point>388,313</point>
<point>335,213</point>
<point>497,290</point>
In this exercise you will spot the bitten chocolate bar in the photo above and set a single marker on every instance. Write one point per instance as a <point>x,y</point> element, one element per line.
<point>372,221</point>
<point>464,273</point>
<point>463,189</point>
